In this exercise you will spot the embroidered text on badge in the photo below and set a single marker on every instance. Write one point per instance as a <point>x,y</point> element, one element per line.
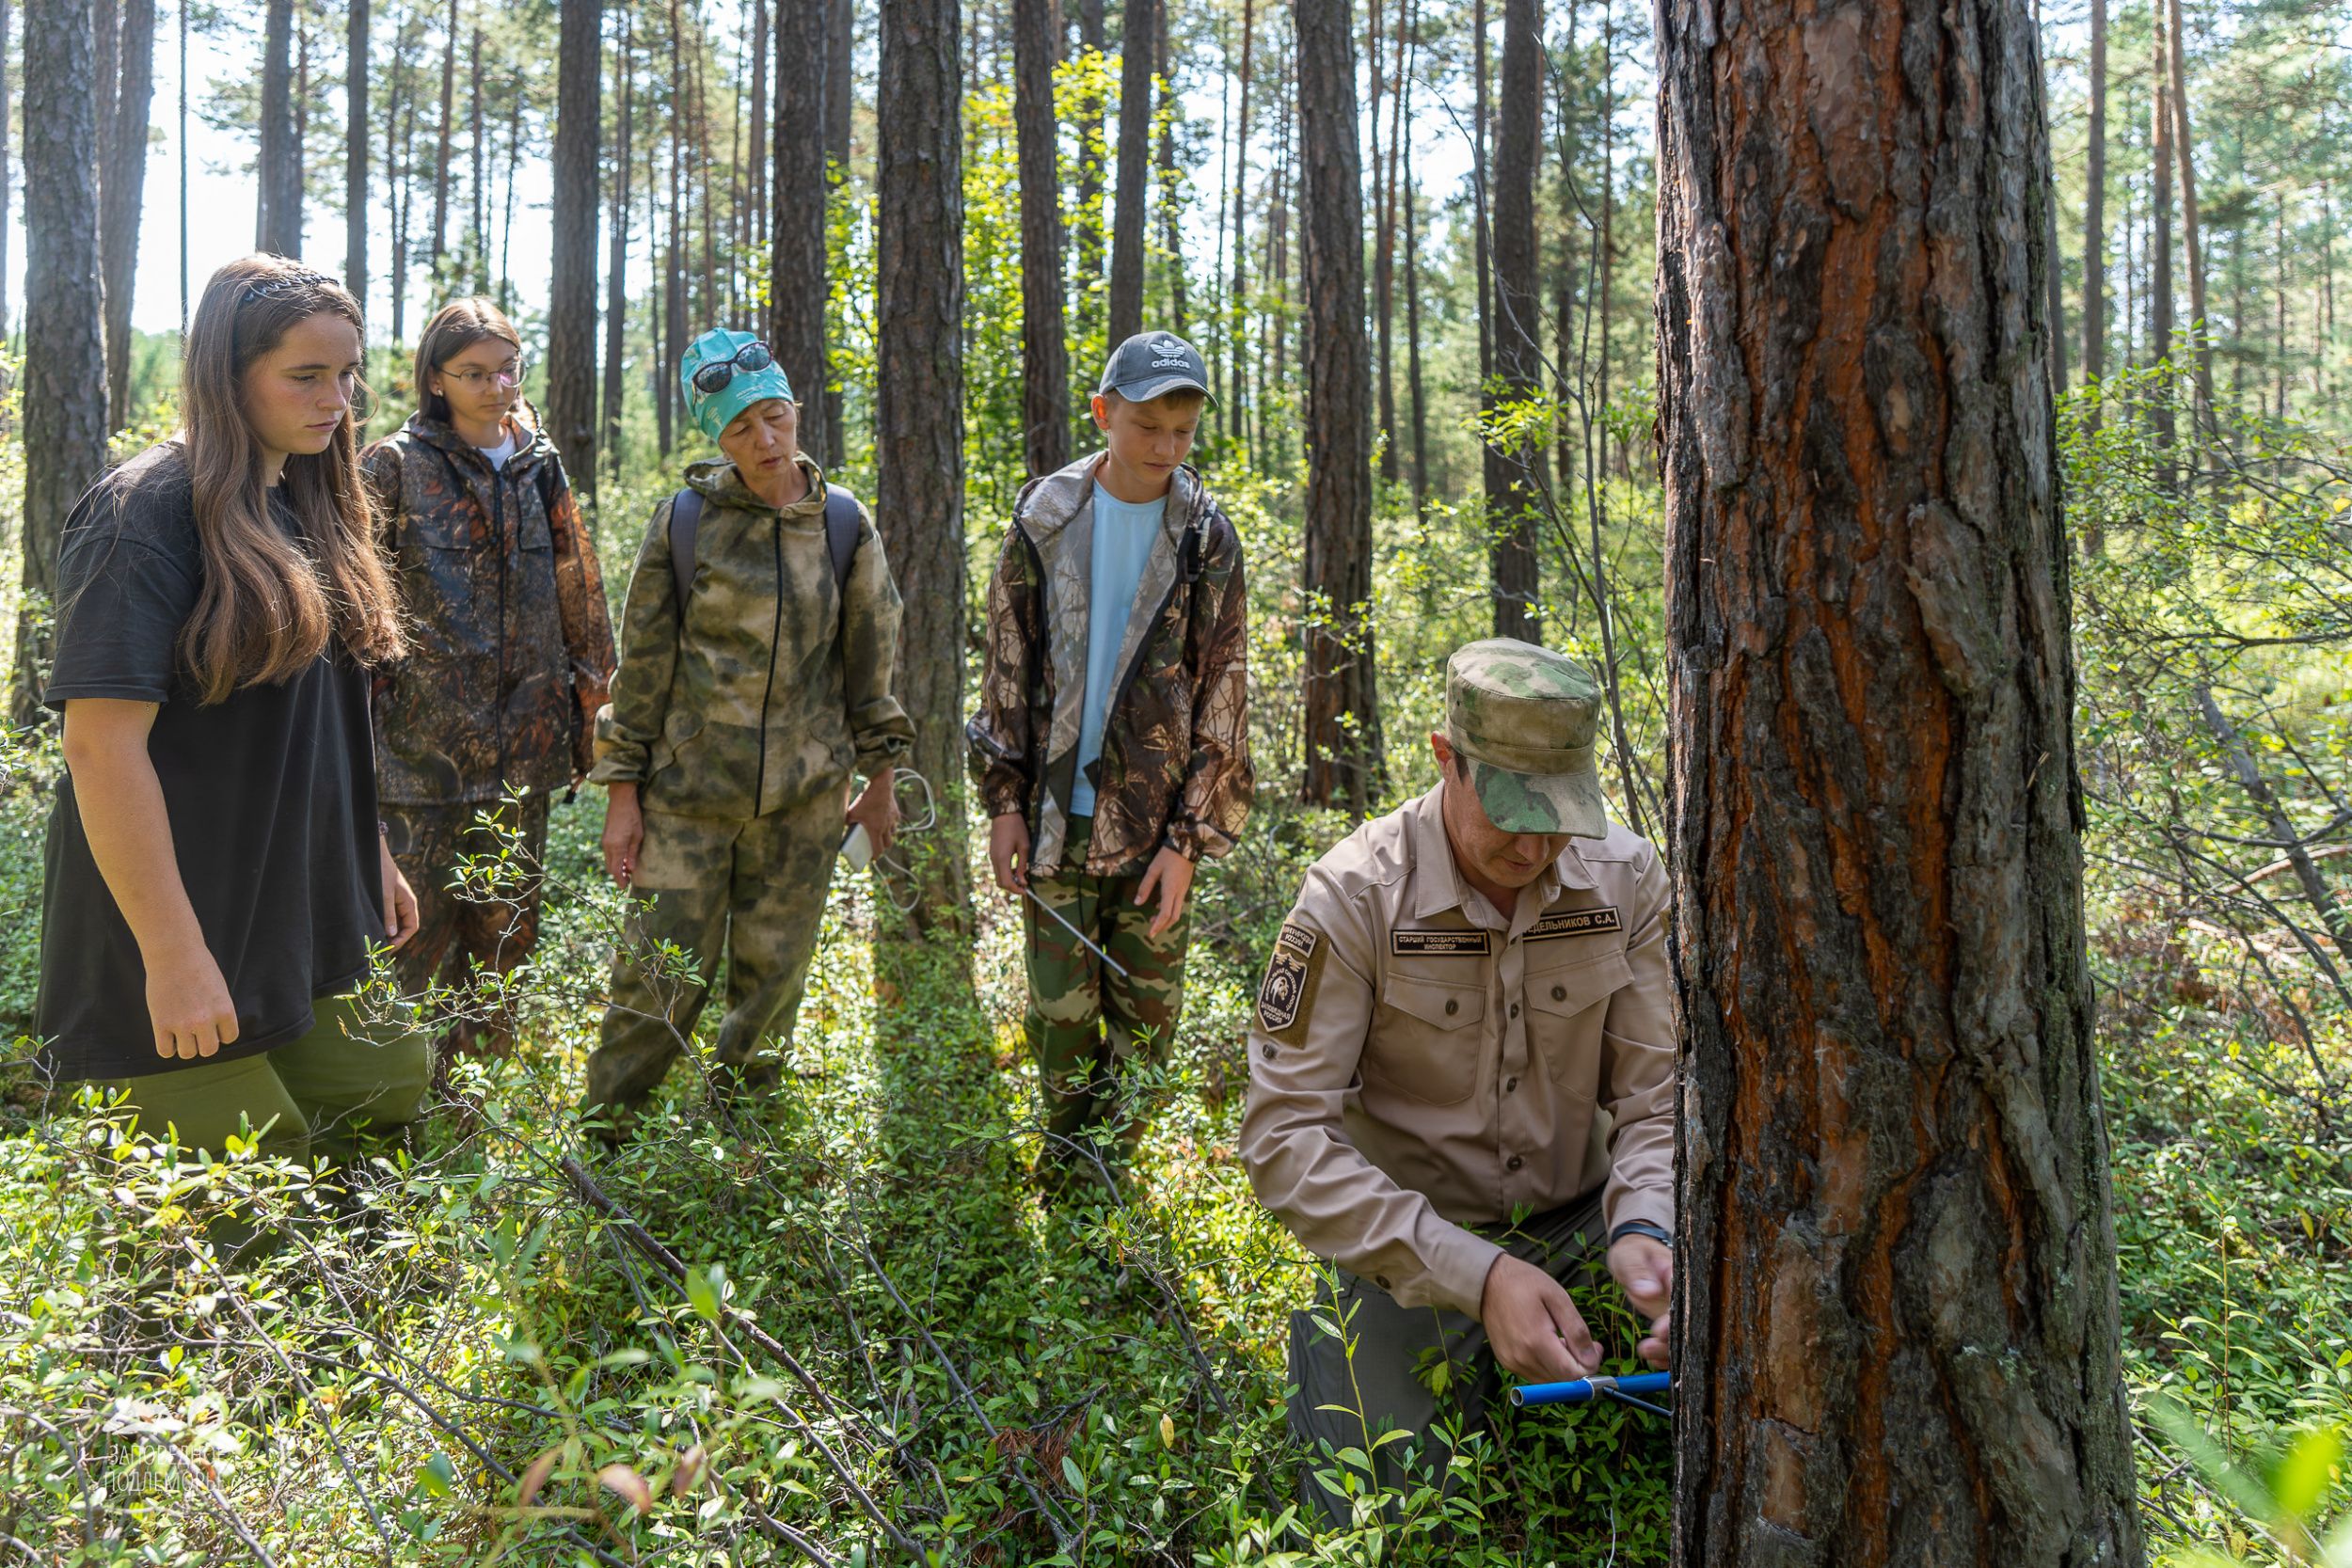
<point>1285,982</point>
<point>1574,923</point>
<point>1443,944</point>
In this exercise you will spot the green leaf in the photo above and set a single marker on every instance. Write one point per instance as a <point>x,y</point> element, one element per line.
<point>438,1476</point>
<point>1072,1474</point>
<point>2302,1478</point>
<point>705,1288</point>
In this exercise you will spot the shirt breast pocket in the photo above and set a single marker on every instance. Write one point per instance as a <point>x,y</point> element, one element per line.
<point>1422,1045</point>
<point>1567,1002</point>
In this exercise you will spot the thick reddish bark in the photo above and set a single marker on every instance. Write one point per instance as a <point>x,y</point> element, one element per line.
<point>1511,488</point>
<point>797,287</point>
<point>572,278</point>
<point>1895,1315</point>
<point>1045,344</point>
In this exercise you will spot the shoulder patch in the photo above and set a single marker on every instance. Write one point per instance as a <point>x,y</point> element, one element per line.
<point>1284,988</point>
<point>1442,943</point>
<point>1574,923</point>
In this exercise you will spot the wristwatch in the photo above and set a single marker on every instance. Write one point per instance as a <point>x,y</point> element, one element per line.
<point>1641,1228</point>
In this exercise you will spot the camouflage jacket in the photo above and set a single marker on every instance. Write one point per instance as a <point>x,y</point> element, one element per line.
<point>1175,764</point>
<point>510,643</point>
<point>774,688</point>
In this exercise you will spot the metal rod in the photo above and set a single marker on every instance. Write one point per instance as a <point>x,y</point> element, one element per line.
<point>1585,1390</point>
<point>1120,969</point>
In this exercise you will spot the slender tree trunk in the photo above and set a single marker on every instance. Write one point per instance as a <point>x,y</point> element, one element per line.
<point>1276,297</point>
<point>796,227</point>
<point>672,286</point>
<point>8,175</point>
<point>1564,290</point>
<point>400,156</point>
<point>1412,333</point>
<point>2160,278</point>
<point>1090,247</point>
<point>1479,219</point>
<point>65,363</point>
<point>505,273</point>
<point>1895,1320</point>
<point>756,180</point>
<point>1606,286</point>
<point>1384,251</point>
<point>840,99</point>
<point>356,67</point>
<point>572,275</point>
<point>1511,488</point>
<point>477,188</point>
<point>440,168</point>
<point>1138,27</point>
<point>918,458</point>
<point>1342,707</point>
<point>1171,184</point>
<point>616,268</point>
<point>1237,309</point>
<point>2095,209</point>
<point>2279,346</point>
<point>708,298</point>
<point>2184,146</point>
<point>1045,347</point>
<point>121,195</point>
<point>278,227</point>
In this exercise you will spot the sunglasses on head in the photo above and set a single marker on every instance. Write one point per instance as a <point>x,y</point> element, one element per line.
<point>279,285</point>
<point>750,359</point>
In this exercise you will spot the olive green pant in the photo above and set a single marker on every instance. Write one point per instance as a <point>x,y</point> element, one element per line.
<point>1086,1022</point>
<point>313,1095</point>
<point>753,889</point>
<point>1377,1375</point>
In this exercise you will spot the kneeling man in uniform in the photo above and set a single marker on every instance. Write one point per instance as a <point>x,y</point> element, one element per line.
<point>1462,1070</point>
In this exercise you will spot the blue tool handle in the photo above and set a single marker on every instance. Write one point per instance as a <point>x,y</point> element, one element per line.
<point>1584,1389</point>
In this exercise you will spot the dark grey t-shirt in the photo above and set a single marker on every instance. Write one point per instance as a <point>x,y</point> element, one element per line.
<point>271,795</point>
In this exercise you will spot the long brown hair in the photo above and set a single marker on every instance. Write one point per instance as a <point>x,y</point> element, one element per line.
<point>269,603</point>
<point>456,327</point>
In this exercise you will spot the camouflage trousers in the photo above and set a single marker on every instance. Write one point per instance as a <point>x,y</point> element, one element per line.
<point>1086,1022</point>
<point>753,890</point>
<point>464,925</point>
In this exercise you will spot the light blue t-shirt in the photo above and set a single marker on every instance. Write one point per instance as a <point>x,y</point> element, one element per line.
<point>1123,535</point>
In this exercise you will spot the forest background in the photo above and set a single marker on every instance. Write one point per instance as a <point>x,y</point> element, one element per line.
<point>846,1332</point>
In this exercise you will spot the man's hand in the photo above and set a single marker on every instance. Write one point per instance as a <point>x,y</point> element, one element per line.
<point>877,807</point>
<point>1009,851</point>
<point>189,1006</point>
<point>1172,874</point>
<point>1535,1328</point>
<point>1645,1269</point>
<point>624,833</point>
<point>400,919</point>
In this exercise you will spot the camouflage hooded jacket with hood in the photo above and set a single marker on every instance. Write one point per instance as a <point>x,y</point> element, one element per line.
<point>778,682</point>
<point>1175,764</point>
<point>511,644</point>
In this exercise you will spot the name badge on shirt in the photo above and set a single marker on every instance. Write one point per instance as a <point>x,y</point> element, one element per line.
<point>1574,923</point>
<point>1470,945</point>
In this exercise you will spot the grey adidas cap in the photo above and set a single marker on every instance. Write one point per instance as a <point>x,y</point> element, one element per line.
<point>1153,364</point>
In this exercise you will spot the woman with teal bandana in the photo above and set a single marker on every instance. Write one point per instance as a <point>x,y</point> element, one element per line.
<point>754,683</point>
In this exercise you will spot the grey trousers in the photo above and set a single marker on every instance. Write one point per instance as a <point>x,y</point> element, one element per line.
<point>1412,1366</point>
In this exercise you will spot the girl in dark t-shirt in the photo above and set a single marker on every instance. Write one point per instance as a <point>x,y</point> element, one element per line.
<point>215,874</point>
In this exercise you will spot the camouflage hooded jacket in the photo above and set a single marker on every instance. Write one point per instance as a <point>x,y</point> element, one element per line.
<point>778,681</point>
<point>1175,764</point>
<point>511,644</point>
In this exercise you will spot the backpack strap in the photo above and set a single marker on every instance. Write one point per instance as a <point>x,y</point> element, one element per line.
<point>841,533</point>
<point>685,516</point>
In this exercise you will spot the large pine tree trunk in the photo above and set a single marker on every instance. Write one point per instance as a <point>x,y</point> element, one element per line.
<point>796,227</point>
<point>840,99</point>
<point>122,186</point>
<point>1137,30</point>
<point>356,68</point>
<point>572,272</point>
<point>1510,489</point>
<point>1044,341</point>
<point>1343,705</point>
<point>1896,1314</point>
<point>918,376</point>
<point>278,219</point>
<point>616,266</point>
<point>65,365</point>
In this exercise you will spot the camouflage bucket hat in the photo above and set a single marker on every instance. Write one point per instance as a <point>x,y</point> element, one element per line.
<point>1524,719</point>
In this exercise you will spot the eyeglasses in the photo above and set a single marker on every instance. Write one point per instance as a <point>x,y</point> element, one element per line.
<point>751,358</point>
<point>473,381</point>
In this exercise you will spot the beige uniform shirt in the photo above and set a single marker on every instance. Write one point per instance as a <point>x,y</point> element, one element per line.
<point>1419,1063</point>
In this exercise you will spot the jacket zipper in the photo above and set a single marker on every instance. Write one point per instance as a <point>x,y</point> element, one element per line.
<point>775,634</point>
<point>497,529</point>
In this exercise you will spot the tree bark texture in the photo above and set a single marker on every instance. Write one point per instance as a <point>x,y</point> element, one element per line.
<point>357,69</point>
<point>1137,29</point>
<point>65,366</point>
<point>840,99</point>
<point>2185,148</point>
<point>8,176</point>
<point>572,274</point>
<point>1092,36</point>
<point>123,185</point>
<point>279,225</point>
<point>1895,1318</point>
<point>1044,341</point>
<point>440,167</point>
<point>1171,110</point>
<point>1512,493</point>
<point>2160,323</point>
<point>918,457</point>
<point>796,227</point>
<point>1343,707</point>
<point>616,268</point>
<point>2095,207</point>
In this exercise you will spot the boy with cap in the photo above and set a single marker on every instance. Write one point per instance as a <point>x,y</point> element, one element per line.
<point>1462,1070</point>
<point>756,667</point>
<point>1111,748</point>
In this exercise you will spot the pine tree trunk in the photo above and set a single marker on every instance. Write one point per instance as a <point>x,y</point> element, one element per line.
<point>797,228</point>
<point>918,457</point>
<point>1341,739</point>
<point>2095,208</point>
<point>1511,488</point>
<point>1384,253</point>
<point>1044,342</point>
<point>2184,146</point>
<point>123,185</point>
<point>1171,183</point>
<point>840,99</point>
<point>356,68</point>
<point>477,188</point>
<point>278,222</point>
<point>2160,269</point>
<point>616,266</point>
<point>65,364</point>
<point>1896,1319</point>
<point>1412,342</point>
<point>1481,218</point>
<point>572,274</point>
<point>1138,28</point>
<point>8,175</point>
<point>1237,328</point>
<point>400,158</point>
<point>758,178</point>
<point>440,167</point>
<point>1090,247</point>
